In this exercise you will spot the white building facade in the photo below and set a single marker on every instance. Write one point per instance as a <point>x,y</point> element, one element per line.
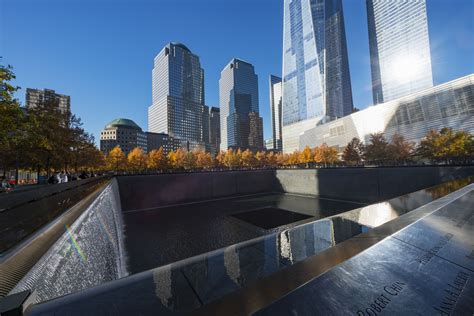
<point>447,105</point>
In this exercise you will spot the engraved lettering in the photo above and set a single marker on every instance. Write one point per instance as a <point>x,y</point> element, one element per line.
<point>452,296</point>
<point>390,291</point>
<point>426,257</point>
<point>381,302</point>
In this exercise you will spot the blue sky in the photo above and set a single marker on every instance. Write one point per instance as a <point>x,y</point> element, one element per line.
<point>101,52</point>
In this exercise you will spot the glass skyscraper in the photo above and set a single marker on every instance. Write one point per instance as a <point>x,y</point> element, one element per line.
<point>178,97</point>
<point>316,78</point>
<point>399,48</point>
<point>275,109</point>
<point>241,125</point>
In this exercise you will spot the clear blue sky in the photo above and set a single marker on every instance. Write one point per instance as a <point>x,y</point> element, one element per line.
<point>101,52</point>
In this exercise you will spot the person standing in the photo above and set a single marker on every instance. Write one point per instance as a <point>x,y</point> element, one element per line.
<point>64,177</point>
<point>58,177</point>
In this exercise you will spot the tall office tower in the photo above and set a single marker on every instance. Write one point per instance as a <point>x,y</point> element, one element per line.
<point>178,97</point>
<point>214,129</point>
<point>38,97</point>
<point>238,93</point>
<point>316,78</point>
<point>275,109</point>
<point>399,48</point>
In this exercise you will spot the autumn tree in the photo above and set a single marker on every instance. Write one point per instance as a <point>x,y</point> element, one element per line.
<point>177,159</point>
<point>294,158</point>
<point>353,152</point>
<point>306,156</point>
<point>282,159</point>
<point>204,160</point>
<point>377,150</point>
<point>220,159</point>
<point>157,160</point>
<point>116,159</point>
<point>15,137</point>
<point>329,155</point>
<point>137,160</point>
<point>272,159</point>
<point>260,159</point>
<point>232,159</point>
<point>446,144</point>
<point>189,161</point>
<point>399,149</point>
<point>248,159</point>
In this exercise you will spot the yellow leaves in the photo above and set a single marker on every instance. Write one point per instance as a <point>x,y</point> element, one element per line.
<point>137,160</point>
<point>306,156</point>
<point>204,160</point>
<point>116,159</point>
<point>447,144</point>
<point>248,159</point>
<point>232,159</point>
<point>177,159</point>
<point>157,159</point>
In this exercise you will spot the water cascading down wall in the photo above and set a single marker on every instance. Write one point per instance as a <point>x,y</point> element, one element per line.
<point>89,253</point>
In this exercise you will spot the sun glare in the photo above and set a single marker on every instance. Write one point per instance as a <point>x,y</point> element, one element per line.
<point>406,69</point>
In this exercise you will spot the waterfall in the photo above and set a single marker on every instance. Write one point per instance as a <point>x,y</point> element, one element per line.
<point>89,253</point>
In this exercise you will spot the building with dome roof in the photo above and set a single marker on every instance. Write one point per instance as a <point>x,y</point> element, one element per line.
<point>124,133</point>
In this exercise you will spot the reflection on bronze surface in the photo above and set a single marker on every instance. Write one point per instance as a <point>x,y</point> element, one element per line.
<point>448,187</point>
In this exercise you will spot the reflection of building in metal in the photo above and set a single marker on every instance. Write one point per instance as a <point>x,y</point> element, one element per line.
<point>232,264</point>
<point>163,285</point>
<point>275,110</point>
<point>124,133</point>
<point>38,97</point>
<point>178,96</point>
<point>447,105</point>
<point>399,48</point>
<point>316,79</point>
<point>214,129</point>
<point>241,126</point>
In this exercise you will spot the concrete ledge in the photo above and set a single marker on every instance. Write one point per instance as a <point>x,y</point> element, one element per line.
<point>14,199</point>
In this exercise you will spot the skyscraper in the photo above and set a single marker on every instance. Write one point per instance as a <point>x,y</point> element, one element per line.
<point>178,97</point>
<point>275,109</point>
<point>399,48</point>
<point>214,129</point>
<point>316,78</point>
<point>38,97</point>
<point>240,120</point>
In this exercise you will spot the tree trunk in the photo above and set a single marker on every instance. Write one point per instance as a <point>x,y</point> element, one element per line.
<point>38,169</point>
<point>17,167</point>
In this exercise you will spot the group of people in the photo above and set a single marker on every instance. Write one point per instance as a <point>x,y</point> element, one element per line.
<point>5,186</point>
<point>65,176</point>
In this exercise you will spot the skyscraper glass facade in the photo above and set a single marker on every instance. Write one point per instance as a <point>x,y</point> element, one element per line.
<point>178,96</point>
<point>399,48</point>
<point>275,109</point>
<point>238,93</point>
<point>316,78</point>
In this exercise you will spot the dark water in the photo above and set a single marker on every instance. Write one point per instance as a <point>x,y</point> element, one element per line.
<point>270,217</point>
<point>164,235</point>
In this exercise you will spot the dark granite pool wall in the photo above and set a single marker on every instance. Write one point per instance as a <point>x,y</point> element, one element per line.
<point>138,192</point>
<point>366,185</point>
